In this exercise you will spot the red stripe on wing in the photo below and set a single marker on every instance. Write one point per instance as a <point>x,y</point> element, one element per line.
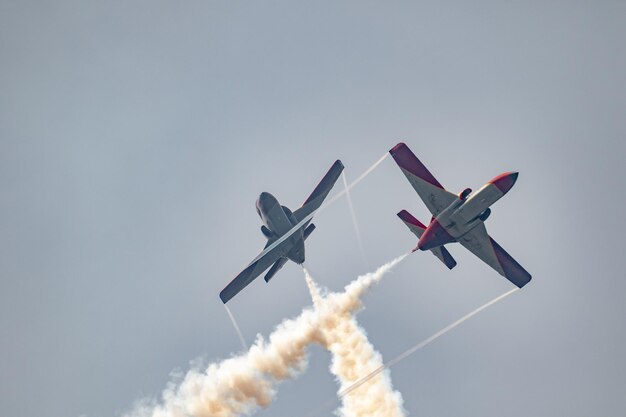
<point>407,160</point>
<point>513,271</point>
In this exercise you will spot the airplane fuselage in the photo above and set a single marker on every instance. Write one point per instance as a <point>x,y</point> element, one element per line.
<point>279,220</point>
<point>466,212</point>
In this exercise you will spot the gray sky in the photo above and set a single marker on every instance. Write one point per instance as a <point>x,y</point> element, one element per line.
<point>136,136</point>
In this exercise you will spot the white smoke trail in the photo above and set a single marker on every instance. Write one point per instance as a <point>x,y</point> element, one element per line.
<point>353,355</point>
<point>241,384</point>
<point>245,383</point>
<point>347,391</point>
<point>322,207</point>
<point>354,221</point>
<point>237,329</point>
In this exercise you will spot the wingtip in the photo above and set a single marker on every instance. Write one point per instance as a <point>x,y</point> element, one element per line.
<point>529,278</point>
<point>403,213</point>
<point>397,147</point>
<point>223,297</point>
<point>407,217</point>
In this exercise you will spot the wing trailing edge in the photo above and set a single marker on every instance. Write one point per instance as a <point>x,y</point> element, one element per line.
<point>513,271</point>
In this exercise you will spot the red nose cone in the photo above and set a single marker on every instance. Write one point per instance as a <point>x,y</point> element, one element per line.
<point>505,181</point>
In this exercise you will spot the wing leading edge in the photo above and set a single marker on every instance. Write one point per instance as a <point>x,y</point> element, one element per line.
<point>319,194</point>
<point>432,193</point>
<point>249,274</point>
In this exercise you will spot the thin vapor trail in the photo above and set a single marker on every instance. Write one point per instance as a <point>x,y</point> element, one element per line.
<point>354,221</point>
<point>322,207</point>
<point>237,329</point>
<point>242,384</point>
<point>411,350</point>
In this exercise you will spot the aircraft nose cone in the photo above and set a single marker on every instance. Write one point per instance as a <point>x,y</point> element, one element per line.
<point>505,181</point>
<point>266,200</point>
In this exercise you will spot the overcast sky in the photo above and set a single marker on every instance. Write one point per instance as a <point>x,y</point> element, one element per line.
<point>135,137</point>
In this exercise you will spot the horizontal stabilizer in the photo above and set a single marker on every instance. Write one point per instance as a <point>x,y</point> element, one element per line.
<point>418,229</point>
<point>275,268</point>
<point>442,253</point>
<point>412,223</point>
<point>309,229</point>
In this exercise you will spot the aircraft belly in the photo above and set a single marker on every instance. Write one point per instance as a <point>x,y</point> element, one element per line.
<point>476,204</point>
<point>277,221</point>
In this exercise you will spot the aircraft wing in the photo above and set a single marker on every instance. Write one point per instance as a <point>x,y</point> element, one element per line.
<point>318,195</point>
<point>248,275</point>
<point>482,245</point>
<point>425,184</point>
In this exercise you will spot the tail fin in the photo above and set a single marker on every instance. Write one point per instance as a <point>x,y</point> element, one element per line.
<point>418,229</point>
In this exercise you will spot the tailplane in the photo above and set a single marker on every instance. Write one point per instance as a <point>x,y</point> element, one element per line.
<point>418,230</point>
<point>275,268</point>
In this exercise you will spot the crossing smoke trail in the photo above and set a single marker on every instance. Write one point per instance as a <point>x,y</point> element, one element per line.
<point>354,221</point>
<point>352,356</point>
<point>242,384</point>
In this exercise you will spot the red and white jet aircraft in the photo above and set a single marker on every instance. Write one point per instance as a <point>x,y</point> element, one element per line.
<point>458,218</point>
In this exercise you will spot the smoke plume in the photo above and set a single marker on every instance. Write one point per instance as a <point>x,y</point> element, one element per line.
<point>242,384</point>
<point>353,356</point>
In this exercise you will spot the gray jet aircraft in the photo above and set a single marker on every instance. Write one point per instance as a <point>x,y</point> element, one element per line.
<point>458,218</point>
<point>278,221</point>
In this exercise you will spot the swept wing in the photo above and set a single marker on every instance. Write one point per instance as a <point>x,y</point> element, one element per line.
<point>425,184</point>
<point>317,197</point>
<point>482,245</point>
<point>248,275</point>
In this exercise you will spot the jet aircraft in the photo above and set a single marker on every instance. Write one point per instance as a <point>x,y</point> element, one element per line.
<point>458,218</point>
<point>278,221</point>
